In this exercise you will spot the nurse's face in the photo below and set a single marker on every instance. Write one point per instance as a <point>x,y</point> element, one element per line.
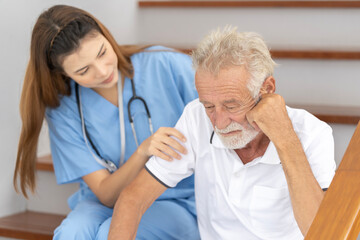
<point>93,64</point>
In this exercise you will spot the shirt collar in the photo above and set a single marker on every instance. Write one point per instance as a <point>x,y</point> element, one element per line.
<point>216,141</point>
<point>270,156</point>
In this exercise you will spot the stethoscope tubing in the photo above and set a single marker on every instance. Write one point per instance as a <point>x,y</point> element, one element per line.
<point>131,118</point>
<point>106,163</point>
<point>109,165</point>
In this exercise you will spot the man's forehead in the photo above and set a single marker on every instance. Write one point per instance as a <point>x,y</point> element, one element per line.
<point>226,78</point>
<point>232,71</point>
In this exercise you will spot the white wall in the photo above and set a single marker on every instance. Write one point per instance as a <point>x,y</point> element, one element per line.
<point>282,28</point>
<point>299,81</point>
<point>13,47</point>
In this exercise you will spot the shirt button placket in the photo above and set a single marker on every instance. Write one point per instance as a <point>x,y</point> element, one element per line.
<point>236,186</point>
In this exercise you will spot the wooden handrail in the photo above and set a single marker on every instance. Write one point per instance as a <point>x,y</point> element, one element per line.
<point>252,4</point>
<point>339,214</point>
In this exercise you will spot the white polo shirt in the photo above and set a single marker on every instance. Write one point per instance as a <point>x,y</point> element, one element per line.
<point>237,201</point>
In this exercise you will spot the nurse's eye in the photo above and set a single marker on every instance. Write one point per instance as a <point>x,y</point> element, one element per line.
<point>84,72</point>
<point>103,53</point>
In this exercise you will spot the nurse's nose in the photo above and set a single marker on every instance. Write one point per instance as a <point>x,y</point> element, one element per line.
<point>101,71</point>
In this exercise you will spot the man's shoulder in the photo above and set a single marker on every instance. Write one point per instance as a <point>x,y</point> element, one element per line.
<point>194,105</point>
<point>195,108</point>
<point>195,117</point>
<point>305,122</point>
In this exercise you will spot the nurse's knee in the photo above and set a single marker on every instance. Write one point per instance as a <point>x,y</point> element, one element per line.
<point>104,230</point>
<point>77,227</point>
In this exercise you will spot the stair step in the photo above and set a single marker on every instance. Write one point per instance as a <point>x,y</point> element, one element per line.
<point>44,163</point>
<point>252,4</point>
<point>300,54</point>
<point>332,114</point>
<point>30,225</point>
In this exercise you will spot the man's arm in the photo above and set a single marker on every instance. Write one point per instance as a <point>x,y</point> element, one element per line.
<point>271,117</point>
<point>305,192</point>
<point>131,205</point>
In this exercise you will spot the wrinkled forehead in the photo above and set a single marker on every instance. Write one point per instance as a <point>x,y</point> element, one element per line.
<point>236,75</point>
<point>229,82</point>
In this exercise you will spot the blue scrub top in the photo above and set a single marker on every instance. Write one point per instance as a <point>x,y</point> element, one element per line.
<point>165,79</point>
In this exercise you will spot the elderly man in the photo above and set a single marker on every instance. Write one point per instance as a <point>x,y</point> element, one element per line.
<point>261,168</point>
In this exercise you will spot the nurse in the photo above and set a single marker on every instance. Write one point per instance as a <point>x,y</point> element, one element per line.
<point>81,81</point>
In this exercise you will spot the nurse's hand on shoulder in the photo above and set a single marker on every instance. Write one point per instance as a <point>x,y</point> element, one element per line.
<point>164,143</point>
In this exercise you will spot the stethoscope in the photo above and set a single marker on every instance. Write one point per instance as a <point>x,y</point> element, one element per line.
<point>131,118</point>
<point>109,165</point>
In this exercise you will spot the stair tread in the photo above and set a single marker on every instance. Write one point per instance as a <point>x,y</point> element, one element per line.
<point>320,54</point>
<point>44,163</point>
<point>332,114</point>
<point>329,110</point>
<point>246,4</point>
<point>30,225</point>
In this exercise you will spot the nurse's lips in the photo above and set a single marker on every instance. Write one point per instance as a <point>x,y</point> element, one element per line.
<point>109,79</point>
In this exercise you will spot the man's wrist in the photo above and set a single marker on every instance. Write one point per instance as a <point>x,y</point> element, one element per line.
<point>287,141</point>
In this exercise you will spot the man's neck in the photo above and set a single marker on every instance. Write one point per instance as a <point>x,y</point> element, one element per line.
<point>256,148</point>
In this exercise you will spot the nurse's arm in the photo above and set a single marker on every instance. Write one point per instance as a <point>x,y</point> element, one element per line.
<point>164,143</point>
<point>132,203</point>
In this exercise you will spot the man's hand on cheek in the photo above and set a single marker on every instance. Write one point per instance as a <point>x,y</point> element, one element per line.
<point>271,117</point>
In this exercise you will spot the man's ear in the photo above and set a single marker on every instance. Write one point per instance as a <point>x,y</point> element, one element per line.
<point>268,85</point>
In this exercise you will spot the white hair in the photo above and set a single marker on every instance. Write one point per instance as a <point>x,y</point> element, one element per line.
<point>227,47</point>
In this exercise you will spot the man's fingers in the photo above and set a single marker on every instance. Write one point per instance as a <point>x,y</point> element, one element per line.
<point>250,116</point>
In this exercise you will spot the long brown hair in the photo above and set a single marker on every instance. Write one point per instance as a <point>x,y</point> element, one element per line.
<point>57,33</point>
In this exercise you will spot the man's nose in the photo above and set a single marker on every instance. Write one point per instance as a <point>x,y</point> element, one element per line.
<point>221,119</point>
